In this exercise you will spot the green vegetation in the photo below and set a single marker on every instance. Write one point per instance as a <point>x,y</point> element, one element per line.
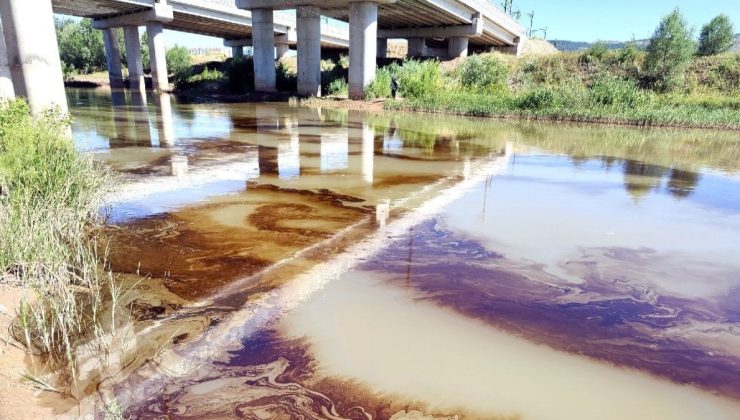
<point>50,197</point>
<point>669,52</point>
<point>716,36</point>
<point>178,63</point>
<point>666,85</point>
<point>81,46</point>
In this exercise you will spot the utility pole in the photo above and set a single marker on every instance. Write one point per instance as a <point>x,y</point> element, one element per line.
<point>531,22</point>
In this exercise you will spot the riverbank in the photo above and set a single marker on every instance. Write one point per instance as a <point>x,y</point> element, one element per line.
<point>54,287</point>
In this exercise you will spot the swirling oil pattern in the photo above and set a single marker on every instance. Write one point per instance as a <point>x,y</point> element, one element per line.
<point>294,263</point>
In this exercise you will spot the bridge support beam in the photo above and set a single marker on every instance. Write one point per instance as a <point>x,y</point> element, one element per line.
<point>457,47</point>
<point>113,57</point>
<point>32,53</point>
<point>416,47</point>
<point>6,79</point>
<point>237,52</point>
<point>133,58</point>
<point>157,56</point>
<point>263,39</point>
<point>382,48</point>
<point>308,19</point>
<point>363,38</point>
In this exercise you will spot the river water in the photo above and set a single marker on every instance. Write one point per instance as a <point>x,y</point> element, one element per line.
<point>284,262</point>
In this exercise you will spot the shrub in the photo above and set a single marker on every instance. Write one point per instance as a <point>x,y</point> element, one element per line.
<point>286,78</point>
<point>380,87</point>
<point>538,98</point>
<point>611,91</point>
<point>207,75</point>
<point>716,36</point>
<point>338,87</point>
<point>179,61</point>
<point>239,73</point>
<point>483,73</point>
<point>597,52</point>
<point>669,52</point>
<point>628,54</point>
<point>419,78</point>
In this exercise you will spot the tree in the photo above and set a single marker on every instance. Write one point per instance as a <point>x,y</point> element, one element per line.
<point>81,46</point>
<point>670,52</point>
<point>716,36</point>
<point>145,50</point>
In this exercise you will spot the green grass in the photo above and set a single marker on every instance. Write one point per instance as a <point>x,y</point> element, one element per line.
<point>591,87</point>
<point>50,196</point>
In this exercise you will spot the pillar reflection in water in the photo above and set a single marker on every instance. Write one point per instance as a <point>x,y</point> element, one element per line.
<point>362,133</point>
<point>165,126</point>
<point>266,124</point>
<point>179,166</point>
<point>392,141</point>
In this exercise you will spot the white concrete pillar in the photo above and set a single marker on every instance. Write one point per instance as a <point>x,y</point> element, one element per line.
<point>33,54</point>
<point>113,57</point>
<point>157,56</point>
<point>6,79</point>
<point>237,52</point>
<point>382,47</point>
<point>263,44</point>
<point>133,58</point>
<point>281,50</point>
<point>363,38</point>
<point>457,47</point>
<point>417,47</point>
<point>309,50</point>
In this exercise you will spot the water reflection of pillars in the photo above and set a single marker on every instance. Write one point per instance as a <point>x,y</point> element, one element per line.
<point>140,118</point>
<point>289,156</point>
<point>334,149</point>
<point>266,122</point>
<point>392,141</point>
<point>165,126</point>
<point>359,131</point>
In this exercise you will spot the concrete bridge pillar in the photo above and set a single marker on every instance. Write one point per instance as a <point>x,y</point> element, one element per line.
<point>281,50</point>
<point>382,48</point>
<point>263,39</point>
<point>309,50</point>
<point>363,39</point>
<point>417,47</point>
<point>113,57</point>
<point>133,58</point>
<point>6,79</point>
<point>237,52</point>
<point>157,56</point>
<point>32,53</point>
<point>457,47</point>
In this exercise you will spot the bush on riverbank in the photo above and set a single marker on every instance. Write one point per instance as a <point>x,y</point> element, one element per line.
<point>50,196</point>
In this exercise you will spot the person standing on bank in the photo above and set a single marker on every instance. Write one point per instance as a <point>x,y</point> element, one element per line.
<point>394,86</point>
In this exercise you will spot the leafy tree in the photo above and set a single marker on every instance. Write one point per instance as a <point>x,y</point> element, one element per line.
<point>179,61</point>
<point>145,50</point>
<point>716,36</point>
<point>670,52</point>
<point>81,46</point>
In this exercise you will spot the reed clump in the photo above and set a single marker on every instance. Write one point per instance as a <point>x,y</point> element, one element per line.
<point>50,200</point>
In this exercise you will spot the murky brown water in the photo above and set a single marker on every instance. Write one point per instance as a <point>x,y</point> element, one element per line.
<point>306,263</point>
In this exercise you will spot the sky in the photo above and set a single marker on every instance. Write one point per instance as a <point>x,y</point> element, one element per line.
<point>618,20</point>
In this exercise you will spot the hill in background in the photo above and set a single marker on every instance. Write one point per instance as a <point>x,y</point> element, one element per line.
<point>565,45</point>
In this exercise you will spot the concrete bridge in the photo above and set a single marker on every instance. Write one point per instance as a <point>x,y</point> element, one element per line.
<point>29,56</point>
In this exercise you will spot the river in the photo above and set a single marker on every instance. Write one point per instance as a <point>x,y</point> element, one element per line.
<point>285,262</point>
